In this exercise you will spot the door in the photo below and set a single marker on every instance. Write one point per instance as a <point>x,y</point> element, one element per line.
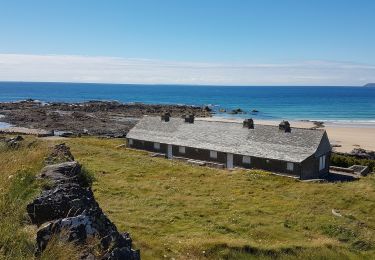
<point>229,161</point>
<point>169,151</point>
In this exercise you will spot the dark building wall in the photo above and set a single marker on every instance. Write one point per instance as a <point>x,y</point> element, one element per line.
<point>310,167</point>
<point>204,155</point>
<point>267,164</point>
<point>148,146</point>
<point>275,166</point>
<point>237,161</point>
<point>192,153</point>
<point>199,154</point>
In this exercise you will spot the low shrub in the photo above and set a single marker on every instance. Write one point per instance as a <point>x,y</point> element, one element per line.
<point>347,161</point>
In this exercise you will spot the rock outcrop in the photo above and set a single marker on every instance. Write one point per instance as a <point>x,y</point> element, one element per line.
<point>110,119</point>
<point>363,154</point>
<point>13,142</point>
<point>67,209</point>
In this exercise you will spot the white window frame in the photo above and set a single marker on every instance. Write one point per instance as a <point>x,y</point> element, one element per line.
<point>157,146</point>
<point>181,149</point>
<point>290,166</point>
<point>246,159</point>
<point>131,142</point>
<point>322,162</point>
<point>213,154</point>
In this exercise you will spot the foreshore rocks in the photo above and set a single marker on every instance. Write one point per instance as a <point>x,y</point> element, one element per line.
<point>359,153</point>
<point>67,210</point>
<point>103,118</point>
<point>363,154</point>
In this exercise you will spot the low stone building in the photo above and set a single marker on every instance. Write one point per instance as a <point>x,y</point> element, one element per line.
<point>304,153</point>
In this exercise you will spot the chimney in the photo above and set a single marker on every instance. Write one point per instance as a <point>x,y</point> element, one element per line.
<point>165,117</point>
<point>248,123</point>
<point>285,126</point>
<point>189,119</point>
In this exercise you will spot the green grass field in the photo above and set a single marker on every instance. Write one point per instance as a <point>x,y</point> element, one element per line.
<point>175,210</point>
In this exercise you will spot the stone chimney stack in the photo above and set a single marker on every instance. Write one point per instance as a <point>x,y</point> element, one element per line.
<point>189,119</point>
<point>165,117</point>
<point>285,126</point>
<point>248,123</point>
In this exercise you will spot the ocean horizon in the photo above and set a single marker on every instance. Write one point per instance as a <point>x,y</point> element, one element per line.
<point>334,104</point>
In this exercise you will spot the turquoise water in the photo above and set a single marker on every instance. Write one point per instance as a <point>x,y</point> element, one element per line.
<point>336,104</point>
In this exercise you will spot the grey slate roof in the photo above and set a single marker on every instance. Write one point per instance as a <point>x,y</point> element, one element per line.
<point>263,141</point>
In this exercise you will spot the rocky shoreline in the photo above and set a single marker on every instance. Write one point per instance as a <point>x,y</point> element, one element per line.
<point>101,118</point>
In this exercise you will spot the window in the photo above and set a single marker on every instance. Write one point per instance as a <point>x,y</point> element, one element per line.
<point>130,141</point>
<point>290,166</point>
<point>157,146</point>
<point>322,162</point>
<point>181,149</point>
<point>213,154</point>
<point>246,160</point>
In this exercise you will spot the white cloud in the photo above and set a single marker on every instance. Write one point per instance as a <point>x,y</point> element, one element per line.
<point>64,68</point>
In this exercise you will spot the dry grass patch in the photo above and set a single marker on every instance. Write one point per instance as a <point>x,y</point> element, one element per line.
<point>177,210</point>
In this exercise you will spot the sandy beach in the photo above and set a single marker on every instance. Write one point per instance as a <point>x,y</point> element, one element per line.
<point>347,137</point>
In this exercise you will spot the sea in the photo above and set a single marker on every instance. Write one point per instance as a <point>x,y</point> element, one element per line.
<point>338,104</point>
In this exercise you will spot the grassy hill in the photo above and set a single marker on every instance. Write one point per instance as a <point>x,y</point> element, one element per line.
<point>175,210</point>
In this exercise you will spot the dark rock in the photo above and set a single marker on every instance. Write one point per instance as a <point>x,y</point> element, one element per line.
<point>63,172</point>
<point>65,200</point>
<point>207,108</point>
<point>318,124</point>
<point>254,111</point>
<point>89,224</point>
<point>13,142</point>
<point>122,253</point>
<point>285,126</point>
<point>237,111</point>
<point>60,153</point>
<point>363,154</point>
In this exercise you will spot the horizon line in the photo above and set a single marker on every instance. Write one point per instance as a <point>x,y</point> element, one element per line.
<point>175,84</point>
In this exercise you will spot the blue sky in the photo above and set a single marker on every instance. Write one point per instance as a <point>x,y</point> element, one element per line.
<point>230,33</point>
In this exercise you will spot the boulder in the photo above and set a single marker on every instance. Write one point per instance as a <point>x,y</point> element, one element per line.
<point>66,172</point>
<point>89,224</point>
<point>237,111</point>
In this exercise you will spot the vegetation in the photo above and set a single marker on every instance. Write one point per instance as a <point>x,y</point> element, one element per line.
<point>18,186</point>
<point>347,161</point>
<point>175,210</point>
